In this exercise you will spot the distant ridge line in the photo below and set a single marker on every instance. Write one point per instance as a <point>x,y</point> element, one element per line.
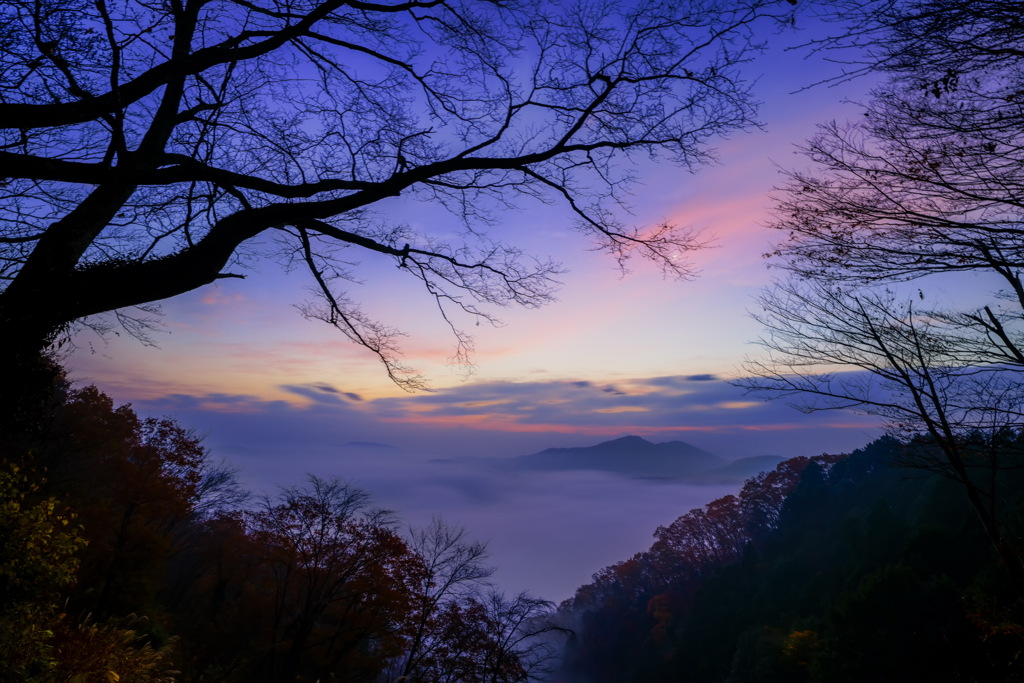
<point>635,456</point>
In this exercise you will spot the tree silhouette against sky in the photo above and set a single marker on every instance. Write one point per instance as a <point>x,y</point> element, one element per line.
<point>148,145</point>
<point>926,183</point>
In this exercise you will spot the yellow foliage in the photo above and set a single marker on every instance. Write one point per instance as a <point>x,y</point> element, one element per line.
<point>109,653</point>
<point>800,646</point>
<point>38,557</point>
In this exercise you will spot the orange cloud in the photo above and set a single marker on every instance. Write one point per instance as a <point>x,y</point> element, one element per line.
<point>506,423</point>
<point>483,404</point>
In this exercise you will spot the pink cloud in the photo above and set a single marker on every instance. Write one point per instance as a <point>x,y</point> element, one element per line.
<point>213,296</point>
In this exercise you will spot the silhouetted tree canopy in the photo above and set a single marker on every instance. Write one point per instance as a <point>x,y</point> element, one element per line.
<point>145,145</point>
<point>928,182</point>
<point>928,42</point>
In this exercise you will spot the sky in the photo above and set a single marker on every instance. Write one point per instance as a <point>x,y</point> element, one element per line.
<point>279,397</point>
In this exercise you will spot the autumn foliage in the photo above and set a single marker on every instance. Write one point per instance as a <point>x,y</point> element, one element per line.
<point>129,554</point>
<point>833,568</point>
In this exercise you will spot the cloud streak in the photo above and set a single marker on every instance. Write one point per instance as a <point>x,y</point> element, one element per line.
<point>513,418</point>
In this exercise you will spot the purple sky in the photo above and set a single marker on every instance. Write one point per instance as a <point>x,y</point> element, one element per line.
<point>279,396</point>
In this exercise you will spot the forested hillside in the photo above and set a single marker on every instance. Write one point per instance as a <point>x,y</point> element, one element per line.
<point>836,568</point>
<point>131,555</point>
<point>128,554</point>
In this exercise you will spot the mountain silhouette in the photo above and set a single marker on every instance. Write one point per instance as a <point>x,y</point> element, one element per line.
<point>369,444</point>
<point>631,456</point>
<point>740,470</point>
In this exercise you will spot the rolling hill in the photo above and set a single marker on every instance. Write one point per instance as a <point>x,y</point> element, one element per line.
<point>636,457</point>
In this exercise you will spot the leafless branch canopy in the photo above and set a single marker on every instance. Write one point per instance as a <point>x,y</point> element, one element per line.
<point>926,43</point>
<point>927,183</point>
<point>876,352</point>
<point>144,142</point>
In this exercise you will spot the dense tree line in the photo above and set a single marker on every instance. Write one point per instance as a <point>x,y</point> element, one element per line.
<point>827,569</point>
<point>128,554</point>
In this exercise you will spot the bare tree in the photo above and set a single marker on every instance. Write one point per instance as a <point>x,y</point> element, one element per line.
<point>490,638</point>
<point>930,43</point>
<point>145,145</point>
<point>927,183</point>
<point>875,353</point>
<point>520,631</point>
<point>454,571</point>
<point>922,185</point>
<point>336,577</point>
